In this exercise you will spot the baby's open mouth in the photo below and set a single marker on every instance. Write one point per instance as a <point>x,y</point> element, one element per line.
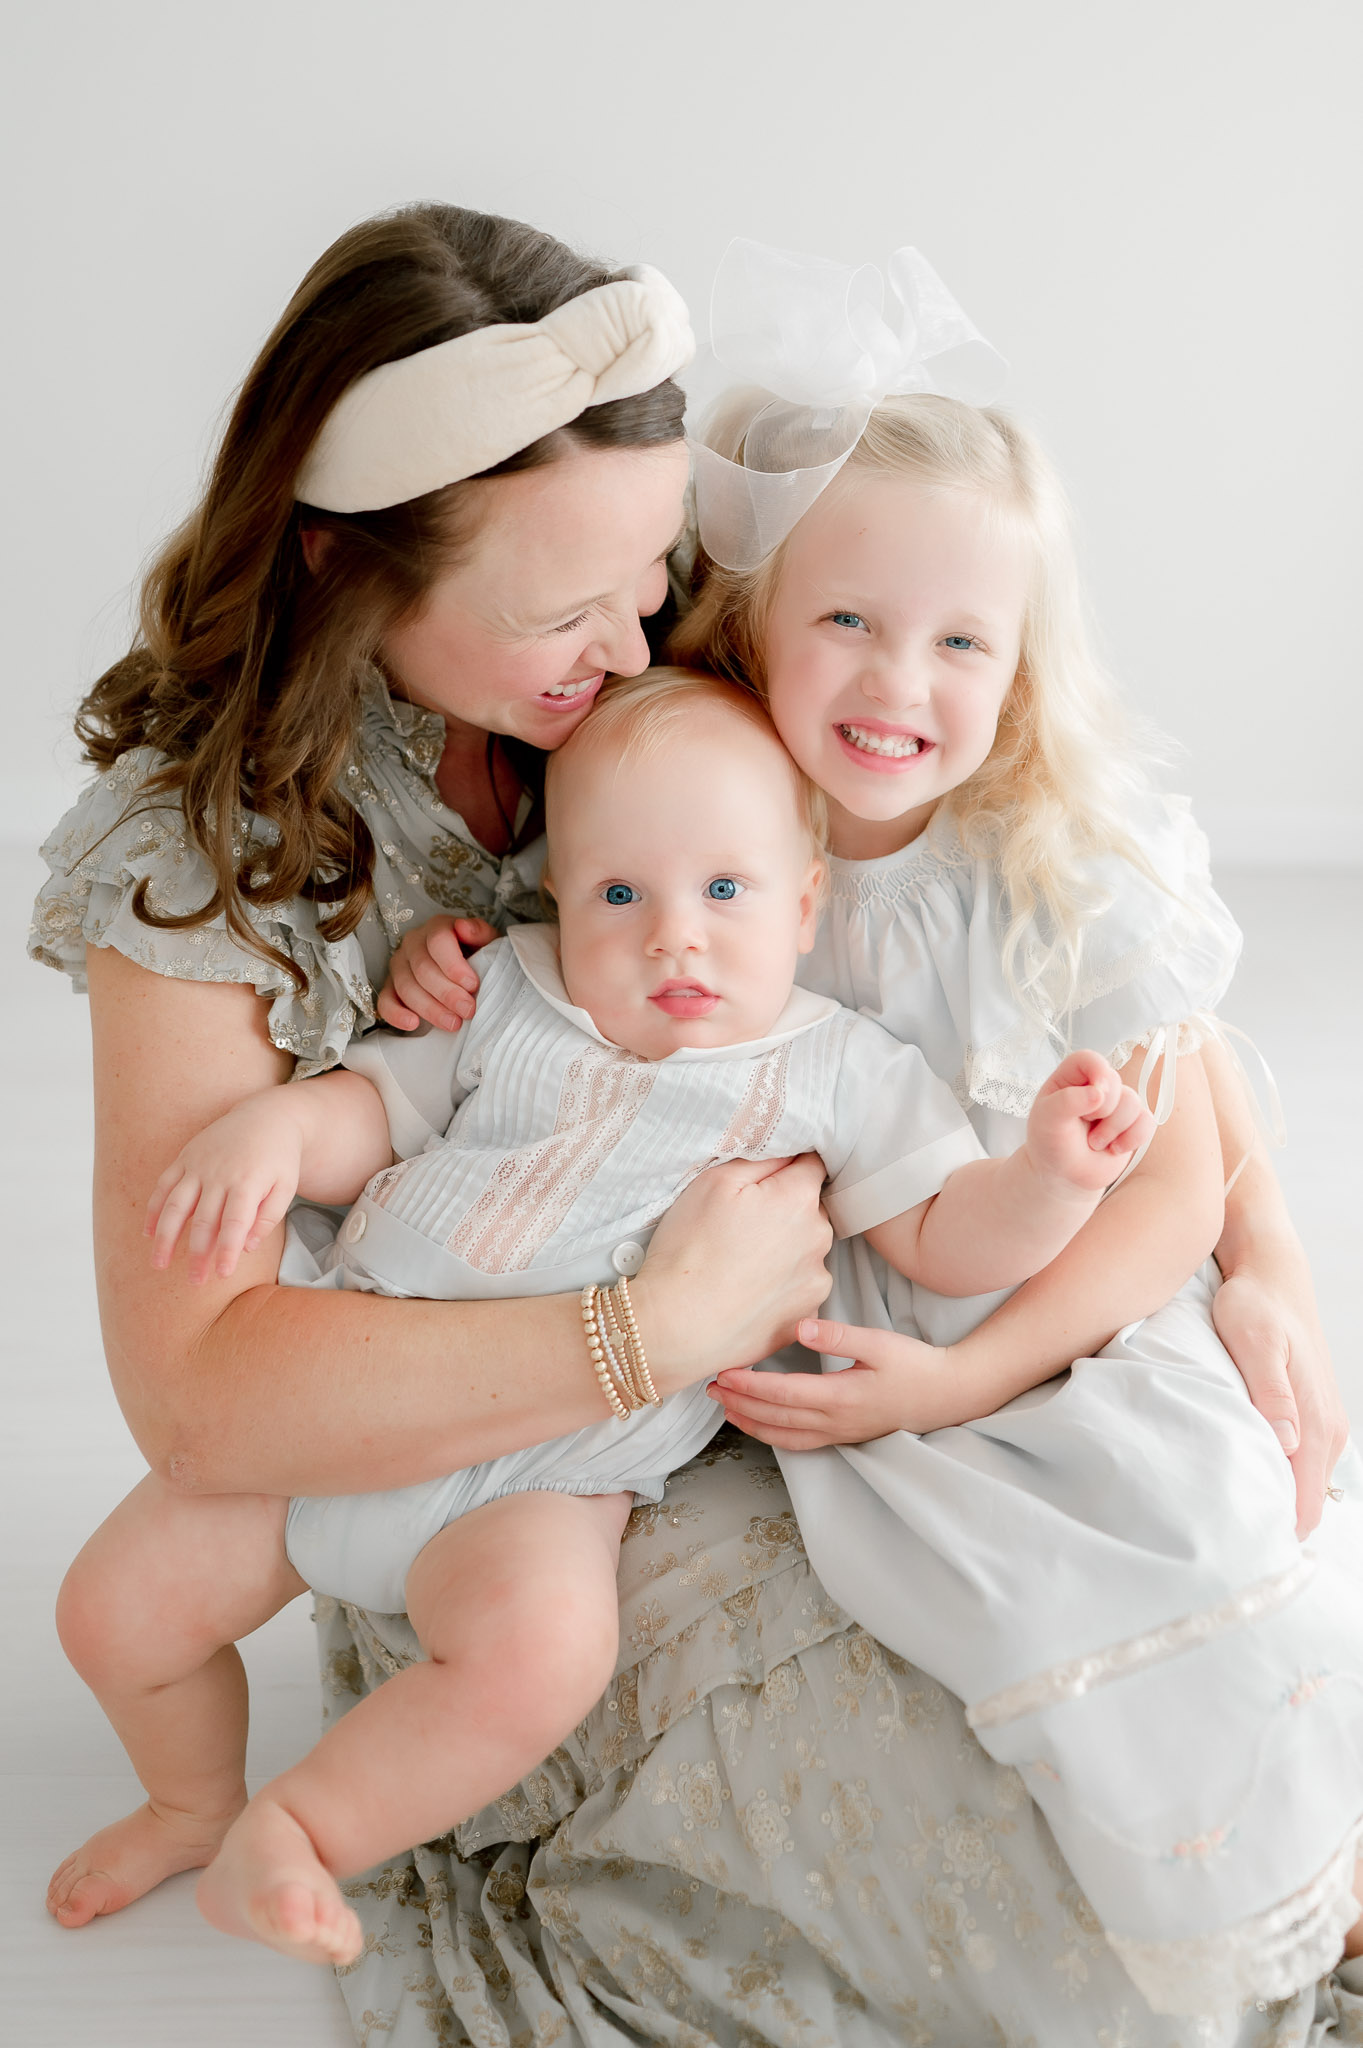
<point>684,998</point>
<point>893,746</point>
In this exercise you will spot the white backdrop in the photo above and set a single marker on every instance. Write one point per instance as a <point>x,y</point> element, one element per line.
<point>1152,211</point>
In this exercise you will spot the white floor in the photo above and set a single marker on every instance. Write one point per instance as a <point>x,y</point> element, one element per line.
<point>156,1975</point>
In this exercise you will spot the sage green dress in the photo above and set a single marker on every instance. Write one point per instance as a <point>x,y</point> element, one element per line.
<point>770,1830</point>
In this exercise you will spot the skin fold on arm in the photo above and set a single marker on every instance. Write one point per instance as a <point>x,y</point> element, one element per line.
<point>246,1386</point>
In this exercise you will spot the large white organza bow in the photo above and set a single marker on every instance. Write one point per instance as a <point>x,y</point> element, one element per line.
<point>813,347</point>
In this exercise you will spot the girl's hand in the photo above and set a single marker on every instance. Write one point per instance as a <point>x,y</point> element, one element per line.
<point>1085,1124</point>
<point>235,1180</point>
<point>896,1383</point>
<point>735,1263</point>
<point>1265,1315</point>
<point>429,979</point>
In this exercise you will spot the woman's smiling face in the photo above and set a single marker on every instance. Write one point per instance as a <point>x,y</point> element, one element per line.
<point>892,638</point>
<point>547,601</point>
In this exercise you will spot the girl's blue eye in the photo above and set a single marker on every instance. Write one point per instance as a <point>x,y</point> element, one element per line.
<point>620,892</point>
<point>960,641</point>
<point>848,619</point>
<point>723,890</point>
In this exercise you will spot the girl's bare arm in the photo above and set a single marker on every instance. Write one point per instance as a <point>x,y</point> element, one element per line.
<point>241,1385</point>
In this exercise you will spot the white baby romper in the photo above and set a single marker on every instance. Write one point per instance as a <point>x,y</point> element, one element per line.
<point>1106,1571</point>
<point>536,1156</point>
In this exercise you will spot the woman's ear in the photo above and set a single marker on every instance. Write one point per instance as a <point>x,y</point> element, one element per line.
<point>315,542</point>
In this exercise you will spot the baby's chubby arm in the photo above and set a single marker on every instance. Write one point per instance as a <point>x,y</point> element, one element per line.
<point>323,1139</point>
<point>998,1221</point>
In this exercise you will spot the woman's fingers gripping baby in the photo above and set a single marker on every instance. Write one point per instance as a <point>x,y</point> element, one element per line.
<point>232,1184</point>
<point>1086,1124</point>
<point>429,978</point>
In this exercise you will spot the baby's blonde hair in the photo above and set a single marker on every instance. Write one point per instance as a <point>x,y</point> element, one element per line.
<point>1056,788</point>
<point>636,716</point>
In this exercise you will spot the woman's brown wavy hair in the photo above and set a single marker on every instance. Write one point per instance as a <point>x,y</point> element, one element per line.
<point>247,668</point>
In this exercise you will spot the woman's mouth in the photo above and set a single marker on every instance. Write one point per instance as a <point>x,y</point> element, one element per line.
<point>684,999</point>
<point>568,696</point>
<point>881,747</point>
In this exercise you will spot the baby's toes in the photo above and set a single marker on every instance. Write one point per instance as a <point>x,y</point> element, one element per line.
<point>81,1899</point>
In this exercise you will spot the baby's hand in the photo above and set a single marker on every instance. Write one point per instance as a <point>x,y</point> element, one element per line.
<point>236,1180</point>
<point>428,977</point>
<point>1085,1124</point>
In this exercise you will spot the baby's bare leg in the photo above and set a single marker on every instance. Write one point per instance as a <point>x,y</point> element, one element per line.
<point>516,1608</point>
<point>148,1614</point>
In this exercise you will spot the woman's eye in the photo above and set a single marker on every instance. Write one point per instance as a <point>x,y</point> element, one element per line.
<point>723,889</point>
<point>620,892</point>
<point>960,642</point>
<point>569,624</point>
<point>847,619</point>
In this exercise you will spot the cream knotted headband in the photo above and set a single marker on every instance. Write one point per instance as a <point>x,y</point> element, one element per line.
<point>454,410</point>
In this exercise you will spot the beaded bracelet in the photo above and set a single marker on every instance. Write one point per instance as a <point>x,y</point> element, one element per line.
<point>596,1354</point>
<point>616,1349</point>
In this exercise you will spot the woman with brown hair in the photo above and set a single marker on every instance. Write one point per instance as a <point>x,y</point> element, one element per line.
<point>442,505</point>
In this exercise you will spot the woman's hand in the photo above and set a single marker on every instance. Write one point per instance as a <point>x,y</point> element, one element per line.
<point>896,1383</point>
<point>733,1267</point>
<point>1265,1315</point>
<point>429,978</point>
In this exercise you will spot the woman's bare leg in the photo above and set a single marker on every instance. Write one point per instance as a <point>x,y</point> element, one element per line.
<point>516,1608</point>
<point>148,1614</point>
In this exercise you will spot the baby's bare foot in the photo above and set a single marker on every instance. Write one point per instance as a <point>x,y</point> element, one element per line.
<point>122,1862</point>
<point>267,1883</point>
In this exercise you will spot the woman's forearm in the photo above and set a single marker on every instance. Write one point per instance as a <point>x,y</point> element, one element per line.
<point>1258,1229</point>
<point>300,1390</point>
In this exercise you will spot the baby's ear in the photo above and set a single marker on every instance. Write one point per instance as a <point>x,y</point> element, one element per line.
<point>811,902</point>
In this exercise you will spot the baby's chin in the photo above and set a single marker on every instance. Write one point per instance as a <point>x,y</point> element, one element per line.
<point>653,1035</point>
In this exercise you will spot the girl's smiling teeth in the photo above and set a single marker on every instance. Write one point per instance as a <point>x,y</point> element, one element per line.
<point>895,746</point>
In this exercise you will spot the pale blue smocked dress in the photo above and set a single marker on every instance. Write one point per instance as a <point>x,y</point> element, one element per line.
<point>770,1829</point>
<point>1107,1571</point>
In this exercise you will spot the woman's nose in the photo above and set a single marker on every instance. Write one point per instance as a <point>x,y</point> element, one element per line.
<point>624,646</point>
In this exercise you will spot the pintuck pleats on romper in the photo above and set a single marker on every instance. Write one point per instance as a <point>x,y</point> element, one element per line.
<point>1106,1571</point>
<point>540,1157</point>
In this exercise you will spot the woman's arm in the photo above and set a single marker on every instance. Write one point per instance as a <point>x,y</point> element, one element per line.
<point>241,1385</point>
<point>1265,1310</point>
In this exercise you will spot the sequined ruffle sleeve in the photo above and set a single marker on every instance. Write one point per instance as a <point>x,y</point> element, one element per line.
<point>113,840</point>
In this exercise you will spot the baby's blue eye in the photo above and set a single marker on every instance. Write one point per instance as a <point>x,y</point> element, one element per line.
<point>723,890</point>
<point>620,892</point>
<point>848,619</point>
<point>963,641</point>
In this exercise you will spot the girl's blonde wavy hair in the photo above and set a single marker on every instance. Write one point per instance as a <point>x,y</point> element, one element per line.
<point>1055,792</point>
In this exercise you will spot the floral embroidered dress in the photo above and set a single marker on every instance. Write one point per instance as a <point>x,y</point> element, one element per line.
<point>1107,1570</point>
<point>770,1830</point>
